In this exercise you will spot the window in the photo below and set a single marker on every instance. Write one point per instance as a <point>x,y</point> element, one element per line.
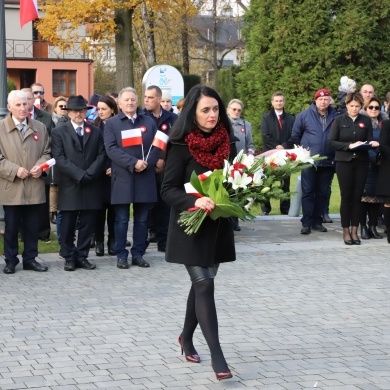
<point>64,82</point>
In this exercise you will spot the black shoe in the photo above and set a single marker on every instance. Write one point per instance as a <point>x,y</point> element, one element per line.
<point>122,263</point>
<point>265,213</point>
<point>161,248</point>
<point>373,232</point>
<point>9,268</point>
<point>34,266</point>
<point>140,262</point>
<point>356,241</point>
<point>319,228</point>
<point>152,237</point>
<point>326,219</point>
<point>69,265</point>
<point>99,250</point>
<point>348,242</point>
<point>305,230</point>
<point>128,243</point>
<point>364,233</point>
<point>111,250</point>
<point>85,264</point>
<point>237,228</point>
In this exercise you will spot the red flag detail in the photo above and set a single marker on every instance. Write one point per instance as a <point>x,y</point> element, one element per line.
<point>131,137</point>
<point>48,164</point>
<point>160,140</point>
<point>28,11</point>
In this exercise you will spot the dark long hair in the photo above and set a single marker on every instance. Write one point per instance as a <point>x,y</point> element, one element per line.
<point>110,103</point>
<point>186,120</point>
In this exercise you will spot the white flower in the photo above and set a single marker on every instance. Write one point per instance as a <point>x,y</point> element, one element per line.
<point>303,155</point>
<point>249,204</point>
<point>248,160</point>
<point>226,169</point>
<point>239,180</point>
<point>277,158</point>
<point>258,177</point>
<point>239,156</point>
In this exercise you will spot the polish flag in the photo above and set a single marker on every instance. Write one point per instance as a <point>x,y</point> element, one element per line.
<point>160,140</point>
<point>190,189</point>
<point>131,137</point>
<point>37,103</point>
<point>28,11</point>
<point>48,164</point>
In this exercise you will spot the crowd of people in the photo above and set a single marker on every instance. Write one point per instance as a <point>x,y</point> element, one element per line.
<point>107,159</point>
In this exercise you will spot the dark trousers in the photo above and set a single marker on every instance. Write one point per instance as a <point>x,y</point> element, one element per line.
<point>140,229</point>
<point>86,220</point>
<point>44,217</point>
<point>352,177</point>
<point>24,218</point>
<point>315,186</point>
<point>106,213</point>
<point>158,218</point>
<point>284,204</point>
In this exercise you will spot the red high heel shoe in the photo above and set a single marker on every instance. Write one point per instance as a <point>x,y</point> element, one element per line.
<point>190,358</point>
<point>222,375</point>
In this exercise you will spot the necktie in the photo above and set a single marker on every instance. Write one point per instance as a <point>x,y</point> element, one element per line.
<point>78,131</point>
<point>29,115</point>
<point>22,128</point>
<point>280,121</point>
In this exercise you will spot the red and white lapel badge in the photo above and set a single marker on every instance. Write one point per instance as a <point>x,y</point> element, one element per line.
<point>143,129</point>
<point>361,125</point>
<point>87,130</point>
<point>164,127</point>
<point>35,136</point>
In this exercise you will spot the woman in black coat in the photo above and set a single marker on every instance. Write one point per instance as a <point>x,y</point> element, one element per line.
<point>351,136</point>
<point>107,108</point>
<point>383,188</point>
<point>200,140</point>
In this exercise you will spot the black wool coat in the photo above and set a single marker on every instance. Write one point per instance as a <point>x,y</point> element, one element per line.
<point>271,133</point>
<point>383,186</point>
<point>81,168</point>
<point>214,242</point>
<point>345,131</point>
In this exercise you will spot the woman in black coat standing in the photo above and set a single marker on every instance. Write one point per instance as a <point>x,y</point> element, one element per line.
<point>383,188</point>
<point>107,108</point>
<point>351,136</point>
<point>200,140</point>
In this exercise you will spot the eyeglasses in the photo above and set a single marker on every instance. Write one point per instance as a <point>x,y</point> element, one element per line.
<point>61,105</point>
<point>40,92</point>
<point>236,109</point>
<point>374,107</point>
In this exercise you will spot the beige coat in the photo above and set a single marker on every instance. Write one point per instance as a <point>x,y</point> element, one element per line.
<point>16,152</point>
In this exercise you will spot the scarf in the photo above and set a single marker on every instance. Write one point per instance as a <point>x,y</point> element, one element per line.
<point>209,151</point>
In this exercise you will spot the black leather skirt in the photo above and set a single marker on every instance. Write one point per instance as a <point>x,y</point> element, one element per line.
<point>197,274</point>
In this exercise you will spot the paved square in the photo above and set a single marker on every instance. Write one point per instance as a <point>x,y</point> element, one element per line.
<point>295,312</point>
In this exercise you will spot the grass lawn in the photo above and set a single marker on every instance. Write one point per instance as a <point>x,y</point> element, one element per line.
<point>334,207</point>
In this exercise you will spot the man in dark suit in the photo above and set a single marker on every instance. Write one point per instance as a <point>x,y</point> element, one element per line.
<point>46,119</point>
<point>276,128</point>
<point>158,220</point>
<point>128,139</point>
<point>78,148</point>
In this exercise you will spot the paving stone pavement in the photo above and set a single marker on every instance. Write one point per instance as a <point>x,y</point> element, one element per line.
<point>295,312</point>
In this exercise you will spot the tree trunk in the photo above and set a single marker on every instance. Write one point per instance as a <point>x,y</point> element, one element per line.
<point>214,48</point>
<point>149,32</point>
<point>124,48</point>
<point>184,45</point>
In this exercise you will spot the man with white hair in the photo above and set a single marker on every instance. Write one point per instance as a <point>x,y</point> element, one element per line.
<point>24,146</point>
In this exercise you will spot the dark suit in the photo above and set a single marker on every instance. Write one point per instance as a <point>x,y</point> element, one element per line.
<point>44,215</point>
<point>81,166</point>
<point>273,136</point>
<point>351,166</point>
<point>128,186</point>
<point>158,220</point>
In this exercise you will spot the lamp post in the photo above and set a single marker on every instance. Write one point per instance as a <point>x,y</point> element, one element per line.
<point>3,63</point>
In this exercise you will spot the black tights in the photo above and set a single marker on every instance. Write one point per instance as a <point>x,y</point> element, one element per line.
<point>201,308</point>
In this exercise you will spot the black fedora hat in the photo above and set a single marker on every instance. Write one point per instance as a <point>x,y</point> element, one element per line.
<point>76,103</point>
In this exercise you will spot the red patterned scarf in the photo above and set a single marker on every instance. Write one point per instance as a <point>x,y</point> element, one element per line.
<point>209,151</point>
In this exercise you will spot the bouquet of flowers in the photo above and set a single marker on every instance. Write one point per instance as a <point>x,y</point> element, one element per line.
<point>248,180</point>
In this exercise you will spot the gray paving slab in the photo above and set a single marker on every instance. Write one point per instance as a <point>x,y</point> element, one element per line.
<point>295,312</point>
